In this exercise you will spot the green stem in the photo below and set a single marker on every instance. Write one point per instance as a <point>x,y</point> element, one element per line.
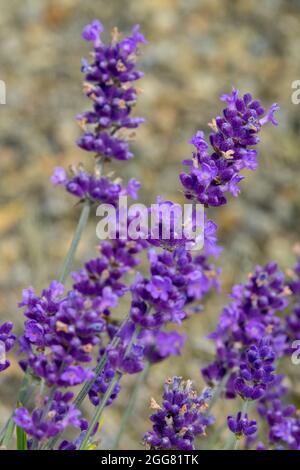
<point>217,392</point>
<point>67,264</point>
<point>99,410</point>
<point>236,444</point>
<point>131,404</point>
<point>99,367</point>
<point>87,386</point>
<point>108,392</point>
<point>245,407</point>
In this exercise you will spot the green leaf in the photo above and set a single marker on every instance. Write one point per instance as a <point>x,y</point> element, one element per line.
<point>8,432</point>
<point>21,435</point>
<point>21,438</point>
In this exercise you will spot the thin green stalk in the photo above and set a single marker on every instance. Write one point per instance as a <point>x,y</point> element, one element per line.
<point>88,385</point>
<point>236,444</point>
<point>86,388</point>
<point>217,392</point>
<point>67,264</point>
<point>102,404</point>
<point>99,410</point>
<point>21,438</point>
<point>9,430</point>
<point>98,369</point>
<point>245,407</point>
<point>131,404</point>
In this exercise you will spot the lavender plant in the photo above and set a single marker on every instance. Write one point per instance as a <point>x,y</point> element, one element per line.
<point>74,337</point>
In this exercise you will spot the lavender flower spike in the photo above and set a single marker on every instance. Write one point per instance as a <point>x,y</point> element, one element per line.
<point>109,84</point>
<point>233,136</point>
<point>180,419</point>
<point>256,371</point>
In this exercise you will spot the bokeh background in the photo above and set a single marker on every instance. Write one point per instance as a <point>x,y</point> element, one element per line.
<point>197,49</point>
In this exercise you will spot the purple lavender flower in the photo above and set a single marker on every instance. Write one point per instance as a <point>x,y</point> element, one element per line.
<point>281,417</point>
<point>116,259</point>
<point>126,357</point>
<point>180,419</point>
<point>177,279</point>
<point>251,316</point>
<point>109,84</point>
<point>241,426</point>
<point>287,432</point>
<point>256,371</point>
<point>101,189</point>
<point>170,231</point>
<point>92,31</point>
<point>159,345</point>
<point>105,145</point>
<point>7,341</point>
<point>50,419</point>
<point>60,336</point>
<point>234,134</point>
<point>101,385</point>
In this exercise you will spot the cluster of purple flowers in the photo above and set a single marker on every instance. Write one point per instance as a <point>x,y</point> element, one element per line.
<point>233,135</point>
<point>51,418</point>
<point>281,417</point>
<point>251,316</point>
<point>116,258</point>
<point>60,333</point>
<point>250,338</point>
<point>176,280</point>
<point>256,371</point>
<point>83,185</point>
<point>159,344</point>
<point>241,425</point>
<point>181,418</point>
<point>169,231</point>
<point>252,335</point>
<point>109,84</point>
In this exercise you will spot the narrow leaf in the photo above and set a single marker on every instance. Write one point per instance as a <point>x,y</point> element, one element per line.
<point>21,435</point>
<point>21,438</point>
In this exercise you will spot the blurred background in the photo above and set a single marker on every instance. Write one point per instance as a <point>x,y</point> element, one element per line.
<point>197,49</point>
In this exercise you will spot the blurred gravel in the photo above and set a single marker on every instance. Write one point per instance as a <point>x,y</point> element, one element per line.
<point>197,50</point>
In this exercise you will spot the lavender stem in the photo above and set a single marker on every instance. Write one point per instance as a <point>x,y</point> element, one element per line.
<point>66,268</point>
<point>99,410</point>
<point>132,401</point>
